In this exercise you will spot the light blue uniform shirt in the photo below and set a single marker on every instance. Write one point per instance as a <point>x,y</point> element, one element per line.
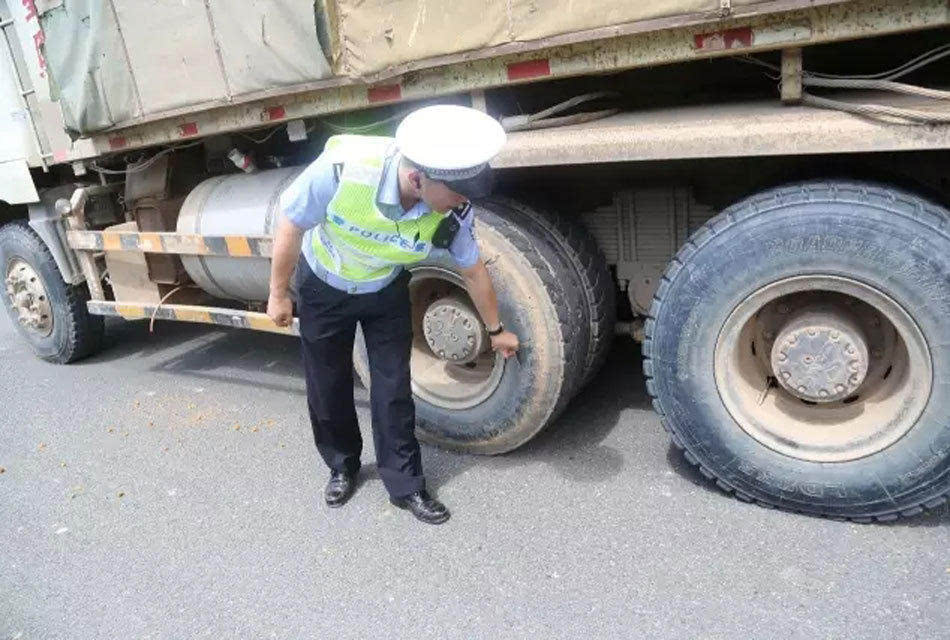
<point>305,202</point>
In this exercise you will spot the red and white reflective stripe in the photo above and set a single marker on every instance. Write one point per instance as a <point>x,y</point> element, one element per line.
<point>188,129</point>
<point>722,40</point>
<point>274,113</point>
<point>526,69</point>
<point>384,93</point>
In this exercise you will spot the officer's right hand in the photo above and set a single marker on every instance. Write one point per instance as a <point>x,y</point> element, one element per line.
<point>280,309</point>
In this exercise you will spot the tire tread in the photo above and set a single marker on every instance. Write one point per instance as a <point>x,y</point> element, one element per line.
<point>855,192</point>
<point>579,247</point>
<point>84,331</point>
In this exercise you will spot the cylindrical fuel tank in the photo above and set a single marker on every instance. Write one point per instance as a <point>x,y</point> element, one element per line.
<point>238,204</point>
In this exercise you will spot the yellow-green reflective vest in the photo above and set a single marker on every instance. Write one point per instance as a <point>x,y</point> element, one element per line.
<point>356,241</point>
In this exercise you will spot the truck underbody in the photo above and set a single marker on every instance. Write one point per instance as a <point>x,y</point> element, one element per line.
<point>784,266</point>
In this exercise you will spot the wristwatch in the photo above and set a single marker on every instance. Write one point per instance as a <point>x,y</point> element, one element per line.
<point>494,332</point>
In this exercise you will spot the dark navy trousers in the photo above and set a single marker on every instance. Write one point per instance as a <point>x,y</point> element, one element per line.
<point>328,318</point>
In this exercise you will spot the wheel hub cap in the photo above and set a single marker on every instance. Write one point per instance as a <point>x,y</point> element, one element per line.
<point>820,355</point>
<point>822,368</point>
<point>453,331</point>
<point>28,298</point>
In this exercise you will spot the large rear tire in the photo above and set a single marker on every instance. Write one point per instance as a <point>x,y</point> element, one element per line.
<point>572,241</point>
<point>798,350</point>
<point>49,314</point>
<point>488,405</point>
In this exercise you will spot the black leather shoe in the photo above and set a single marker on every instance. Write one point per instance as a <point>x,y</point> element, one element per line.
<point>424,507</point>
<point>339,489</point>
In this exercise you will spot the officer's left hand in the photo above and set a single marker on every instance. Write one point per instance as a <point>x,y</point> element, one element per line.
<point>505,343</point>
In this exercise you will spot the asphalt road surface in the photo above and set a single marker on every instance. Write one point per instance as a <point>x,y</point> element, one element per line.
<point>169,488</point>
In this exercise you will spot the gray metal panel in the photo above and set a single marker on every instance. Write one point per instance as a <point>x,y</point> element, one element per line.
<point>602,223</point>
<point>641,230</point>
<point>51,228</point>
<point>765,128</point>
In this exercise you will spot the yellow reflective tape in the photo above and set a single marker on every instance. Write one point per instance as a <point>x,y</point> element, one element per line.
<point>238,246</point>
<point>130,311</point>
<point>260,322</point>
<point>150,242</point>
<point>192,315</point>
<point>111,241</point>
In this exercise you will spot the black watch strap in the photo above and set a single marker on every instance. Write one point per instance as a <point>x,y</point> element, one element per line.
<point>497,331</point>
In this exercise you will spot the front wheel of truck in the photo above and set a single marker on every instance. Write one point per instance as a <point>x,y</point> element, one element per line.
<point>50,314</point>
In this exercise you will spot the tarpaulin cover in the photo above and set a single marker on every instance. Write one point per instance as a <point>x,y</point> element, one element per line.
<point>114,62</point>
<point>371,36</point>
<point>118,62</point>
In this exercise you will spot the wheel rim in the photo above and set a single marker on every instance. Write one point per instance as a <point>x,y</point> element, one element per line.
<point>452,366</point>
<point>28,298</point>
<point>823,368</point>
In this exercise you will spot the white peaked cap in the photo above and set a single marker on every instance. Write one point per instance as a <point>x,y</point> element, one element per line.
<point>450,142</point>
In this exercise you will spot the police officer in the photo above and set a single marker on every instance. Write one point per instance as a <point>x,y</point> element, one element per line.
<point>363,210</point>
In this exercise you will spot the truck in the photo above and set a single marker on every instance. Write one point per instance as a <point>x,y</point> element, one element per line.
<point>752,189</point>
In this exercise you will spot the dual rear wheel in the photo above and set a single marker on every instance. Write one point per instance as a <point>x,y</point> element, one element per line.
<point>554,291</point>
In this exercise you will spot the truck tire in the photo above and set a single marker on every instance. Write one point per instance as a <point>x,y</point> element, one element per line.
<point>49,313</point>
<point>491,405</point>
<point>798,350</point>
<point>578,246</point>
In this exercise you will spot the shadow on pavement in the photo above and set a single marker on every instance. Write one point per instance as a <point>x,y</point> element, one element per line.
<point>573,444</point>
<point>206,353</point>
